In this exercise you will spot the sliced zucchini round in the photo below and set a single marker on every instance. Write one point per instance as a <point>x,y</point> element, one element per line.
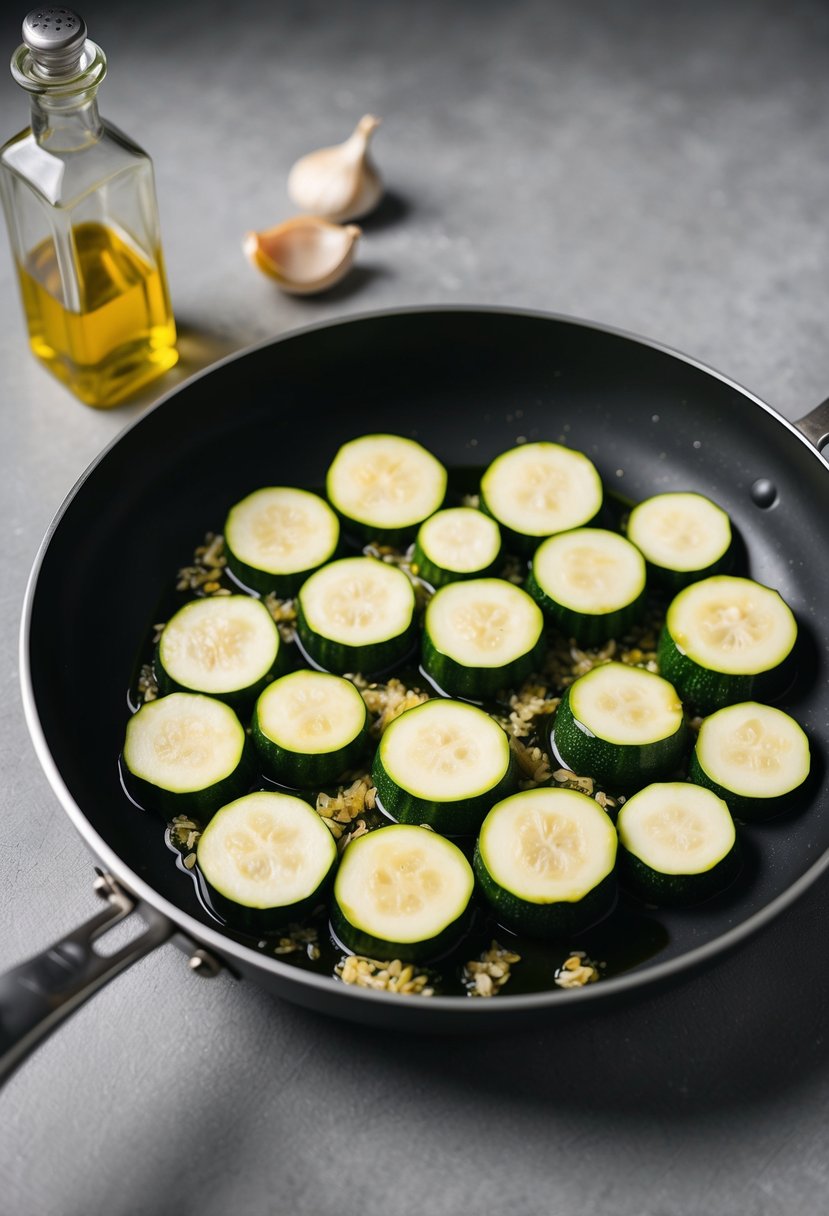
<point>357,614</point>
<point>719,636</point>
<point>185,753</point>
<point>275,537</point>
<point>227,646</point>
<point>683,536</point>
<point>443,763</point>
<point>384,486</point>
<point>590,583</point>
<point>267,859</point>
<point>622,725</point>
<point>678,843</point>
<point>402,892</point>
<point>480,636</point>
<point>544,861</point>
<point>454,544</point>
<point>539,489</point>
<point>753,756</point>
<point>308,727</point>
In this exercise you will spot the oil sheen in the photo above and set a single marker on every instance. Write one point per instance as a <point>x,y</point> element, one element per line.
<point>120,335</point>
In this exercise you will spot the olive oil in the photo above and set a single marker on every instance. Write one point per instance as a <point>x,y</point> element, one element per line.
<point>122,333</point>
<point>79,198</point>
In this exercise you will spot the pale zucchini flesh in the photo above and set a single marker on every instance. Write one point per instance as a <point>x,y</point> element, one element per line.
<point>186,751</point>
<point>226,646</point>
<point>621,725</point>
<point>267,857</point>
<point>481,635</point>
<point>542,488</point>
<point>679,842</point>
<point>545,859</point>
<point>443,763</point>
<point>308,727</point>
<point>401,892</point>
<point>590,582</point>
<point>385,485</point>
<point>681,534</point>
<point>722,637</point>
<point>754,756</point>
<point>356,614</point>
<point>458,542</point>
<point>276,536</point>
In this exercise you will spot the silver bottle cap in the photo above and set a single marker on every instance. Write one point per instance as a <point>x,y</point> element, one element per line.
<point>56,38</point>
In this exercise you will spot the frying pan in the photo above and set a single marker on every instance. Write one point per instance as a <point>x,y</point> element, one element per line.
<point>468,383</point>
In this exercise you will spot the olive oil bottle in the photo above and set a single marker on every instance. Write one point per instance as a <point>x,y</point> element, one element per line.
<point>80,203</point>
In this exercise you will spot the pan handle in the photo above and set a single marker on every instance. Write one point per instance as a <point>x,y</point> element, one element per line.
<point>37,995</point>
<point>815,425</point>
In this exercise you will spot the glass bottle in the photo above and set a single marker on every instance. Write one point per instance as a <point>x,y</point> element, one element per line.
<point>80,203</point>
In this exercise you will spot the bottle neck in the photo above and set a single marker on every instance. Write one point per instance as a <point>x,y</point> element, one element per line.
<point>64,109</point>
<point>67,123</point>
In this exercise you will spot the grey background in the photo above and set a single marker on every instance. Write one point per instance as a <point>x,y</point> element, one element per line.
<point>659,167</point>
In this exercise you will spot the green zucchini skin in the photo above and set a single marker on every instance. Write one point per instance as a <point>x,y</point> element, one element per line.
<point>239,699</point>
<point>284,586</point>
<point>437,576</point>
<point>201,804</point>
<point>672,581</point>
<point>747,809</point>
<point>460,818</point>
<point>560,919</point>
<point>357,941</point>
<point>623,767</point>
<point>304,771</point>
<point>520,543</point>
<point>677,889</point>
<point>339,658</point>
<point>477,683</point>
<point>268,920</point>
<point>587,628</point>
<point>701,688</point>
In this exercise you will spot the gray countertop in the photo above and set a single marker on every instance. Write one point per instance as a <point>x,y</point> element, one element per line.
<point>660,168</point>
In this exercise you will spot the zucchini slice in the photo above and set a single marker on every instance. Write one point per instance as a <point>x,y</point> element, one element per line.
<point>539,489</point>
<point>544,861</point>
<point>357,614</point>
<point>683,536</point>
<point>185,753</point>
<point>275,537</point>
<point>384,486</point>
<point>443,763</point>
<point>402,892</point>
<point>308,728</point>
<point>267,859</point>
<point>480,636</point>
<point>590,583</point>
<point>719,636</point>
<point>227,646</point>
<point>622,725</point>
<point>454,544</point>
<point>678,843</point>
<point>753,756</point>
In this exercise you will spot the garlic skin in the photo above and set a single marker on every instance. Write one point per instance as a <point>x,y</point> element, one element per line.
<point>304,255</point>
<point>339,183</point>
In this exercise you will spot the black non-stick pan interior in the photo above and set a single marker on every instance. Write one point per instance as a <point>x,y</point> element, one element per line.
<point>468,384</point>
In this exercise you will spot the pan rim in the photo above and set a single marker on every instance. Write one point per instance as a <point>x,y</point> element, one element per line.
<point>649,978</point>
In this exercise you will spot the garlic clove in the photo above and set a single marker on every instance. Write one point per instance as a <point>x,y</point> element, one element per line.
<point>340,183</point>
<point>305,254</point>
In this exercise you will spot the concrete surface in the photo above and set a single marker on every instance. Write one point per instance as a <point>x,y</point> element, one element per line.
<point>661,168</point>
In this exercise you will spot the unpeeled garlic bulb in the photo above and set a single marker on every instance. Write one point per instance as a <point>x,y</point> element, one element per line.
<point>305,254</point>
<point>340,183</point>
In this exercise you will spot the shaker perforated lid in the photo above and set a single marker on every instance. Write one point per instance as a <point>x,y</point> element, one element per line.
<point>56,38</point>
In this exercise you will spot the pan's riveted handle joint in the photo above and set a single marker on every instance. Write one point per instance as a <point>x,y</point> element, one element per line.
<point>815,425</point>
<point>202,962</point>
<point>36,995</point>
